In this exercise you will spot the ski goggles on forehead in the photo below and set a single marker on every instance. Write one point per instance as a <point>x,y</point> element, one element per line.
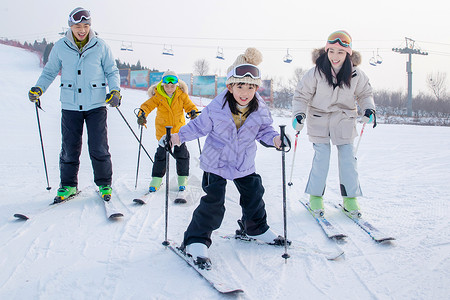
<point>170,79</point>
<point>241,71</point>
<point>79,15</point>
<point>340,37</point>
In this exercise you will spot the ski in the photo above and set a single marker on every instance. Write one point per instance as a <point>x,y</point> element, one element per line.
<point>56,202</point>
<point>213,276</point>
<point>371,230</point>
<point>111,211</point>
<point>331,231</point>
<point>181,197</point>
<point>294,245</point>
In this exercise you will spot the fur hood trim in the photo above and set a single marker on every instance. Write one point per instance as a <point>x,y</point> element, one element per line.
<point>181,84</point>
<point>355,57</point>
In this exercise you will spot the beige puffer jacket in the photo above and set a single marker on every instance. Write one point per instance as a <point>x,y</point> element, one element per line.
<point>331,113</point>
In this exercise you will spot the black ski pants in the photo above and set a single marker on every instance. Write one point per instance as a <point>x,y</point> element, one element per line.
<point>181,155</point>
<point>209,214</point>
<point>72,132</point>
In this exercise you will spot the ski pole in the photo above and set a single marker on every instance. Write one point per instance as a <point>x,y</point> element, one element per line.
<point>283,171</point>
<point>139,151</point>
<point>360,136</point>
<point>189,116</point>
<point>134,133</point>
<point>168,146</point>
<point>38,106</point>
<point>139,156</point>
<point>293,158</point>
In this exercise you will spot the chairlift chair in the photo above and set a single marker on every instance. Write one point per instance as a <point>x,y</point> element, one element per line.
<point>130,47</point>
<point>167,51</point>
<point>373,60</point>
<point>220,53</point>
<point>379,59</point>
<point>123,47</point>
<point>287,58</point>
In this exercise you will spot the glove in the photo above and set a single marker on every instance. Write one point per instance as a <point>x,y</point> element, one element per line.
<point>193,114</point>
<point>286,142</point>
<point>369,116</point>
<point>141,119</point>
<point>298,121</point>
<point>34,94</point>
<point>113,98</point>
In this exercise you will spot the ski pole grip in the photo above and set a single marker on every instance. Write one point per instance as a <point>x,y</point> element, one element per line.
<point>282,135</point>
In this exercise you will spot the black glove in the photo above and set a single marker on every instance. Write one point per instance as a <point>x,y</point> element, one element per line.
<point>113,98</point>
<point>34,94</point>
<point>193,114</point>
<point>141,120</point>
<point>369,116</point>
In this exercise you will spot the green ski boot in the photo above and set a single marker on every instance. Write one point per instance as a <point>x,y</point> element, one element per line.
<point>155,184</point>
<point>182,182</point>
<point>316,205</point>
<point>65,193</point>
<point>352,207</point>
<point>105,192</point>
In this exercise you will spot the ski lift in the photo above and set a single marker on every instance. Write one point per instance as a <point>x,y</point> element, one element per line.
<point>379,59</point>
<point>373,61</point>
<point>167,51</point>
<point>126,46</point>
<point>220,53</point>
<point>376,59</point>
<point>287,58</point>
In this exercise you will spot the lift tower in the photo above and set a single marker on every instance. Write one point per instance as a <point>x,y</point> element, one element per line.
<point>410,50</point>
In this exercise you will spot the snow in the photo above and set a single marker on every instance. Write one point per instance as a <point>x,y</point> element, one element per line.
<point>74,252</point>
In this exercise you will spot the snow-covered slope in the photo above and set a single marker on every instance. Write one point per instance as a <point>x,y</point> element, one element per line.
<point>74,252</point>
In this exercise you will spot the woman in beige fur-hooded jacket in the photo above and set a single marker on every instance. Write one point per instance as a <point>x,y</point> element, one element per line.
<point>326,98</point>
<point>330,111</point>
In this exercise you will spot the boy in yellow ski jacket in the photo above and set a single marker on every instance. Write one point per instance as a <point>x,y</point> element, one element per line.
<point>170,98</point>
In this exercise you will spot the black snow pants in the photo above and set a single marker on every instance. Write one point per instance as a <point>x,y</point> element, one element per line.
<point>72,131</point>
<point>209,214</point>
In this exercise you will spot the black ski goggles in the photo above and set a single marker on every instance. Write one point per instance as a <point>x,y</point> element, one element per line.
<point>79,15</point>
<point>241,71</point>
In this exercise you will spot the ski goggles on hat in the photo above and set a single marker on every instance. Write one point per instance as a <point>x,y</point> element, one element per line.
<point>241,71</point>
<point>340,37</point>
<point>79,15</point>
<point>170,79</point>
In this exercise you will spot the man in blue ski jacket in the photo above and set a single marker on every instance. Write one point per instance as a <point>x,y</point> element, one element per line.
<point>87,67</point>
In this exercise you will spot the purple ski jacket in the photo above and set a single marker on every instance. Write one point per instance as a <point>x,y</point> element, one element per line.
<point>228,152</point>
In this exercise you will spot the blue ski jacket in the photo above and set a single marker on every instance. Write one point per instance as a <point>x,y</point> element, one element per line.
<point>85,73</point>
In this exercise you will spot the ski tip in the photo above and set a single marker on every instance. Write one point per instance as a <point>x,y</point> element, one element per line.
<point>386,240</point>
<point>21,217</point>
<point>115,216</point>
<point>139,201</point>
<point>232,292</point>
<point>180,201</point>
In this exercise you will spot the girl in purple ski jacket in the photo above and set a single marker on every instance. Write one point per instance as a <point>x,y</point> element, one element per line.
<point>232,122</point>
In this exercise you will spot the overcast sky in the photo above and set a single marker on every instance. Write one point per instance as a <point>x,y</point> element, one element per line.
<point>195,29</point>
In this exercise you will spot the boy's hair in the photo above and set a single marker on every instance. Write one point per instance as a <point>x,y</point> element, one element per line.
<point>253,105</point>
<point>344,76</point>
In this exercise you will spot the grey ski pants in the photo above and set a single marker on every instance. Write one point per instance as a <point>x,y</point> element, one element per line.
<point>348,174</point>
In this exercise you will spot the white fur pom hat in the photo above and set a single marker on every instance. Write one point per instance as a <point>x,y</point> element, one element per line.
<point>251,56</point>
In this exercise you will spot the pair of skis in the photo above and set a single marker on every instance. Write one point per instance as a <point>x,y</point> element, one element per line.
<point>112,212</point>
<point>333,233</point>
<point>181,197</point>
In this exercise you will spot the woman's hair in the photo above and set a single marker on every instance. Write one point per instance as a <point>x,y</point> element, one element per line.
<point>344,76</point>
<point>252,106</point>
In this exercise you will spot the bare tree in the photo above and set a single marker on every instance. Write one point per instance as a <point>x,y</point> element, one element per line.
<point>201,67</point>
<point>437,84</point>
